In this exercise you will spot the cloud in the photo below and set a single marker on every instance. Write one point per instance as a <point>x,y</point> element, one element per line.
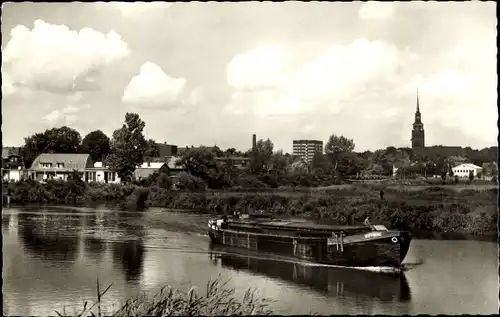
<point>56,59</point>
<point>375,10</point>
<point>67,114</point>
<point>321,84</point>
<point>153,88</point>
<point>257,69</point>
<point>132,9</point>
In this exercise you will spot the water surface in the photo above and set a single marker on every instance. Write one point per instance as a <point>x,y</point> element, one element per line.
<point>53,256</point>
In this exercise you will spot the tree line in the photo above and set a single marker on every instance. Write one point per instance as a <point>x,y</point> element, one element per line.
<point>213,167</point>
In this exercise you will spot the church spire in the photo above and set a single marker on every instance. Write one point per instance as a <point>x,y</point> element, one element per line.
<point>418,105</point>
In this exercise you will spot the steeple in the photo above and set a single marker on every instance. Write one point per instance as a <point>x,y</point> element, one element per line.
<point>418,105</point>
<point>418,134</point>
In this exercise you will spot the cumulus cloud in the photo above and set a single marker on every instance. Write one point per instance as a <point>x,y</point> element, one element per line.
<point>257,69</point>
<point>375,10</point>
<point>67,114</point>
<point>153,88</point>
<point>54,58</point>
<point>321,84</point>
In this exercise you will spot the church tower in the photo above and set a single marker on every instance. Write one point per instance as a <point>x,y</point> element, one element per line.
<point>417,134</point>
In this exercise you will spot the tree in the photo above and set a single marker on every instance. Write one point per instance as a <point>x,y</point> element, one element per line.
<point>128,147</point>
<point>335,146</point>
<point>471,176</point>
<point>450,170</point>
<point>55,140</point>
<point>152,149</point>
<point>97,144</point>
<point>319,163</point>
<point>230,152</point>
<point>200,162</point>
<point>260,158</point>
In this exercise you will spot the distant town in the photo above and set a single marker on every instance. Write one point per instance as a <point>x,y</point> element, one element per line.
<point>43,158</point>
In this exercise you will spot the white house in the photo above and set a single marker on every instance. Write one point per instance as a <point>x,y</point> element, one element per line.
<point>463,170</point>
<point>101,174</point>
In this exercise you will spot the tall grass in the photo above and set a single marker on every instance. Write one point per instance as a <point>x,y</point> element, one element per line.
<point>218,300</point>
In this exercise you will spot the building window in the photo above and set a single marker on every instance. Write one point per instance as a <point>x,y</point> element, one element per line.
<point>60,165</point>
<point>46,165</point>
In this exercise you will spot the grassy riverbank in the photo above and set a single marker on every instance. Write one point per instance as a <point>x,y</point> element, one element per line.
<point>450,209</point>
<point>217,300</point>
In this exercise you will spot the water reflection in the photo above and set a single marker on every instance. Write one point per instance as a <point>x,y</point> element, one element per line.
<point>45,237</point>
<point>5,221</point>
<point>130,253</point>
<point>327,280</point>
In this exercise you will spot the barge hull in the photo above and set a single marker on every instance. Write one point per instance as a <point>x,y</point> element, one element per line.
<point>387,249</point>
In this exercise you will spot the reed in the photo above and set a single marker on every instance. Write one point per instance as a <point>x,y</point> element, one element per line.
<point>218,300</point>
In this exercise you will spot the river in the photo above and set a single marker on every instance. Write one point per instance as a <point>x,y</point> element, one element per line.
<point>53,256</point>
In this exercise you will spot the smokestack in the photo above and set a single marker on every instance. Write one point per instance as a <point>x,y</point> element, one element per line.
<point>254,141</point>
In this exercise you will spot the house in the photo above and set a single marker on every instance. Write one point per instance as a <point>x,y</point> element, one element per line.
<point>463,170</point>
<point>61,165</point>
<point>101,174</point>
<point>12,164</point>
<point>239,162</point>
<point>173,165</point>
<point>147,168</point>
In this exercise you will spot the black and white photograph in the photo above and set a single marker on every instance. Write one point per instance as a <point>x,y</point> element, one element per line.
<point>249,158</point>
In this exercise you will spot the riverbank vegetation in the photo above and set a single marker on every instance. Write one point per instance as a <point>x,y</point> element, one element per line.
<point>217,300</point>
<point>457,209</point>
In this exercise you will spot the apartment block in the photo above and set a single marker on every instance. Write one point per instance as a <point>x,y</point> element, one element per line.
<point>307,148</point>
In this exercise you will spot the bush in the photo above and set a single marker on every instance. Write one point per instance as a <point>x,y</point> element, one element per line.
<point>190,182</point>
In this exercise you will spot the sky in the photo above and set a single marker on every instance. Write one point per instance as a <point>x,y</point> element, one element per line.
<point>215,73</point>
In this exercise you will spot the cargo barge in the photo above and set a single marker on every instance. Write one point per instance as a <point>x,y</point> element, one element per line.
<point>358,246</point>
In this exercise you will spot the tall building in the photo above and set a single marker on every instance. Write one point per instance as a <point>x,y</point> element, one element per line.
<point>418,134</point>
<point>307,148</point>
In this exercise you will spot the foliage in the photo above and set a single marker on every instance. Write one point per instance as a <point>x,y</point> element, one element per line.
<point>337,146</point>
<point>152,149</point>
<point>200,162</point>
<point>97,144</point>
<point>128,147</point>
<point>412,207</point>
<point>218,300</point>
<point>55,140</point>
<point>190,182</point>
<point>261,156</point>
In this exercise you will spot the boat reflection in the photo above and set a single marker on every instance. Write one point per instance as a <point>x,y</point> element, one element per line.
<point>333,281</point>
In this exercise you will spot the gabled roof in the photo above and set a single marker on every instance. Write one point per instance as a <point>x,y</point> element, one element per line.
<point>71,160</point>
<point>468,165</point>
<point>151,165</point>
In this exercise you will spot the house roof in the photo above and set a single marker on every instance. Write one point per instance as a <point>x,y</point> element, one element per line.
<point>467,165</point>
<point>151,165</point>
<point>9,151</point>
<point>143,172</point>
<point>71,160</point>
